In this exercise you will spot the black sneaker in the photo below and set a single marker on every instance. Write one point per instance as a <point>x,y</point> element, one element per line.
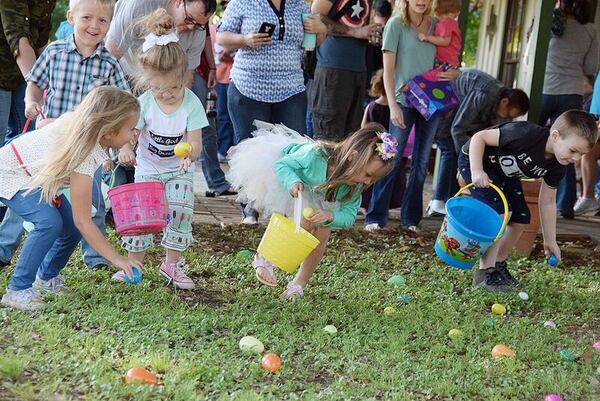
<point>490,279</point>
<point>502,268</point>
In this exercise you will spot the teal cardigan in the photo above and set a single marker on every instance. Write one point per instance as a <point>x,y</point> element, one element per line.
<point>305,163</point>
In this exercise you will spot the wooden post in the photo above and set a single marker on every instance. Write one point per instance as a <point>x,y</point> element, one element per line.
<point>539,51</point>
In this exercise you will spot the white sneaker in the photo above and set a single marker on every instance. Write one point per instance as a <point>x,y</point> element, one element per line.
<point>372,227</point>
<point>28,299</point>
<point>586,206</point>
<point>53,286</point>
<point>414,229</point>
<point>250,220</point>
<point>119,277</point>
<point>436,208</point>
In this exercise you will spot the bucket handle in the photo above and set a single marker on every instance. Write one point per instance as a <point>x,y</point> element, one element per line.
<point>504,203</point>
<point>298,212</point>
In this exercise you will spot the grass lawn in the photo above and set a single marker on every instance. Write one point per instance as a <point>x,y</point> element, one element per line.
<point>81,346</point>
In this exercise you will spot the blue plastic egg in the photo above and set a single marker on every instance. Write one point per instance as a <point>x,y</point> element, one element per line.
<point>137,276</point>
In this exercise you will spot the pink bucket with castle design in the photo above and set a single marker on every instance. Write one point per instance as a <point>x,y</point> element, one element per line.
<point>140,208</point>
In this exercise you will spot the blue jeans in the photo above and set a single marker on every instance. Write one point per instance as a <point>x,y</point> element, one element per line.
<point>12,113</point>
<point>243,111</point>
<point>446,185</point>
<point>11,229</point>
<point>214,176</point>
<point>225,127</point>
<point>552,107</point>
<point>49,245</point>
<point>412,202</point>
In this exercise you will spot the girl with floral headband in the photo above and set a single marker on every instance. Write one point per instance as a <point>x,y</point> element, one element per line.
<point>170,114</point>
<point>271,169</point>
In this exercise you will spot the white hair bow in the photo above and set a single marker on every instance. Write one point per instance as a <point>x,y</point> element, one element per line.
<point>152,40</point>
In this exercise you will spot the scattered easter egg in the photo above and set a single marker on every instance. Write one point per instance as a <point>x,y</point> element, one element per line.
<point>141,376</point>
<point>330,329</point>
<point>454,333</point>
<point>183,149</point>
<point>271,362</point>
<point>524,296</point>
<point>498,309</point>
<point>567,355</point>
<point>404,298</point>
<point>307,212</point>
<point>244,254</point>
<point>549,324</point>
<point>251,344</point>
<point>553,397</point>
<point>501,350</point>
<point>596,345</point>
<point>488,323</point>
<point>137,277</point>
<point>396,280</point>
<point>389,310</point>
<point>553,261</point>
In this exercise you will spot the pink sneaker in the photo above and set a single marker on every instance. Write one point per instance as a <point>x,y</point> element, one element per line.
<point>173,273</point>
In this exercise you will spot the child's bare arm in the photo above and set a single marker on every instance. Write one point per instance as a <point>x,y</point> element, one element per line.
<point>547,203</point>
<point>436,40</point>
<point>364,118</point>
<point>476,148</point>
<point>33,100</point>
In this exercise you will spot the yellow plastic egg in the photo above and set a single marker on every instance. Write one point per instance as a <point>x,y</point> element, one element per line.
<point>498,309</point>
<point>183,149</point>
<point>307,212</point>
<point>454,333</point>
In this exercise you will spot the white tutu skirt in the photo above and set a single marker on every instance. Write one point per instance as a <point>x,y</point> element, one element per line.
<point>251,173</point>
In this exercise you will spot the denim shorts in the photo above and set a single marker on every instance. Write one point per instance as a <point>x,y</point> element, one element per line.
<point>512,188</point>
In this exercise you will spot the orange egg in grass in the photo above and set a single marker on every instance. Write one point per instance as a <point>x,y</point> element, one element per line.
<point>271,362</point>
<point>140,376</point>
<point>183,149</point>
<point>501,350</point>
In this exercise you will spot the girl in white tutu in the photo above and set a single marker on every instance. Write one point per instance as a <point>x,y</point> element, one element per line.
<point>270,169</point>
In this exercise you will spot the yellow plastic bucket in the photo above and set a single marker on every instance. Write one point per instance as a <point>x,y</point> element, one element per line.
<point>285,247</point>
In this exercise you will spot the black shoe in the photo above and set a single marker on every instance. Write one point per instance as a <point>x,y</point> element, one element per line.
<point>227,192</point>
<point>502,268</point>
<point>99,266</point>
<point>490,279</point>
<point>567,214</point>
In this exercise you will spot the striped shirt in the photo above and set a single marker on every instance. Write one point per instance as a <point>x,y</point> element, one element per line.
<point>270,73</point>
<point>69,77</point>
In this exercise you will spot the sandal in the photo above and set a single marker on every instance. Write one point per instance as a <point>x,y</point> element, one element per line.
<point>293,291</point>
<point>260,262</point>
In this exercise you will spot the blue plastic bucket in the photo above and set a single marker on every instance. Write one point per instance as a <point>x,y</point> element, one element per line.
<point>468,230</point>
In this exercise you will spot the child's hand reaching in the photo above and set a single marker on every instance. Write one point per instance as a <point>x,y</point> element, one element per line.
<point>422,37</point>
<point>32,109</point>
<point>297,187</point>
<point>108,165</point>
<point>320,216</point>
<point>126,157</point>
<point>126,264</point>
<point>480,179</point>
<point>551,248</point>
<point>185,164</point>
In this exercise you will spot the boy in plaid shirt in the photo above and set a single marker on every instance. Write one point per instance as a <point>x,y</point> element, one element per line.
<point>69,69</point>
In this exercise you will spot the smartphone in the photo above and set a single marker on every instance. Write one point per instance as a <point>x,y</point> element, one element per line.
<point>267,28</point>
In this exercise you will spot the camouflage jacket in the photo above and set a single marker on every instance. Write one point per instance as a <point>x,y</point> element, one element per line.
<point>21,18</point>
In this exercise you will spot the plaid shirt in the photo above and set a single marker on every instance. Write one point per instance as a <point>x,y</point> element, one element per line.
<point>69,77</point>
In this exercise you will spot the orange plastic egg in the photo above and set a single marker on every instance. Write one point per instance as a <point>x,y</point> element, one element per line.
<point>271,362</point>
<point>140,375</point>
<point>501,350</point>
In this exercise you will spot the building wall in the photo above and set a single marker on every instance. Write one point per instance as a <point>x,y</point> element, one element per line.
<point>491,33</point>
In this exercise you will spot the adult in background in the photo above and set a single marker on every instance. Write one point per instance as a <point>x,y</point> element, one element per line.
<point>374,58</point>
<point>400,38</point>
<point>338,89</point>
<point>25,31</point>
<point>572,53</point>
<point>125,36</point>
<point>266,80</point>
<point>484,101</point>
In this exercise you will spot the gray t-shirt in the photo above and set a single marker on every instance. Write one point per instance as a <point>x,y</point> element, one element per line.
<point>570,57</point>
<point>123,31</point>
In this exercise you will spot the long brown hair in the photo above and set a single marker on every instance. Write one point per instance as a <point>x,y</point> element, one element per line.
<point>103,111</point>
<point>348,159</point>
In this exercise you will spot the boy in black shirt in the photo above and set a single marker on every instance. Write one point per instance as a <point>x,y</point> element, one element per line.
<point>508,152</point>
